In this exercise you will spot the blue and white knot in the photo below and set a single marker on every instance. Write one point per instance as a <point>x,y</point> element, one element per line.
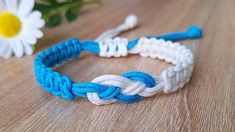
<point>131,84</point>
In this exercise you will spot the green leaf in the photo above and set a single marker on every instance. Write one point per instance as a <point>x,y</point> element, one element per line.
<point>42,8</point>
<point>48,2</point>
<point>53,1</point>
<point>33,47</point>
<point>72,14</point>
<point>54,20</point>
<point>52,9</point>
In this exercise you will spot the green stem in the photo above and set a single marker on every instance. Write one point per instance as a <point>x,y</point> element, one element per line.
<point>67,5</point>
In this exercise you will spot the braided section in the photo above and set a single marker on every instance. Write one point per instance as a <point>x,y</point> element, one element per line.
<point>52,81</point>
<point>175,77</point>
<point>113,47</point>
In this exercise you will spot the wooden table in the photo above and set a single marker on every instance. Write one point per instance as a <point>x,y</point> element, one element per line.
<point>205,104</point>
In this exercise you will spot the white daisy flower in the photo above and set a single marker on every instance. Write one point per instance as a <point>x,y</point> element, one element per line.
<point>19,27</point>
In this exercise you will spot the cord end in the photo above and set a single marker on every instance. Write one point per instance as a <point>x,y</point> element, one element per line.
<point>194,32</point>
<point>131,20</point>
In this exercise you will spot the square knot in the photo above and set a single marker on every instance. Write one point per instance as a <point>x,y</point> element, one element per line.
<point>113,47</point>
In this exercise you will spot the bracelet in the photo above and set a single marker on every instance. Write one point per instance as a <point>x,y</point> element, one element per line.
<point>129,87</point>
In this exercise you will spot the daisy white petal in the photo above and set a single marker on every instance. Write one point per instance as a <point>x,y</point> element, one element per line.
<point>2,6</point>
<point>29,38</point>
<point>27,48</point>
<point>37,33</point>
<point>17,48</point>
<point>37,24</point>
<point>11,5</point>
<point>3,48</point>
<point>8,53</point>
<point>34,20</point>
<point>25,7</point>
<point>35,15</point>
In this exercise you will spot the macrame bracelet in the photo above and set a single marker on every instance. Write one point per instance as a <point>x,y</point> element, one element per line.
<point>129,87</point>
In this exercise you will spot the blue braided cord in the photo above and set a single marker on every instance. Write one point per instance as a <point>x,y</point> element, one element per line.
<point>66,88</point>
<point>110,93</point>
<point>142,77</point>
<point>90,46</point>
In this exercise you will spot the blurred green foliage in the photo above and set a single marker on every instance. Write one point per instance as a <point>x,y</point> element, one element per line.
<point>53,11</point>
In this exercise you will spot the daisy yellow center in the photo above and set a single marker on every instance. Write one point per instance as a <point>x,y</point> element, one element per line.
<point>10,25</point>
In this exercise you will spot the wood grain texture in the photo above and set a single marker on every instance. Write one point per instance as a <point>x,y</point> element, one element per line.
<point>206,104</point>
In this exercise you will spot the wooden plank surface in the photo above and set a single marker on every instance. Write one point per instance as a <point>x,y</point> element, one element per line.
<point>206,104</point>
